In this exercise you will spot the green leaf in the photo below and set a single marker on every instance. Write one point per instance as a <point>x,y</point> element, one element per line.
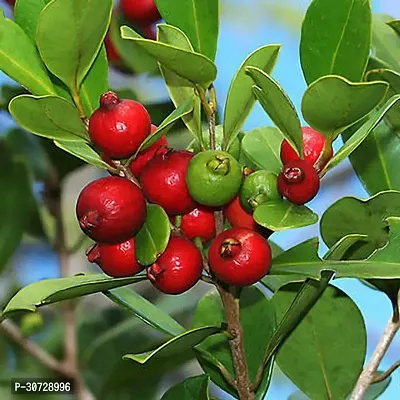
<point>199,19</point>
<point>176,345</point>
<point>258,322</point>
<point>331,362</point>
<point>184,109</point>
<point>278,106</point>
<point>395,25</point>
<point>332,33</point>
<point>240,99</point>
<point>189,65</point>
<point>48,116</point>
<point>20,60</point>
<point>377,389</point>
<point>281,215</point>
<point>385,41</point>
<point>146,311</point>
<point>152,239</point>
<point>262,147</point>
<point>332,103</point>
<point>67,43</point>
<point>26,14</point>
<point>180,89</point>
<point>50,291</point>
<point>361,134</point>
<point>195,388</point>
<point>82,151</point>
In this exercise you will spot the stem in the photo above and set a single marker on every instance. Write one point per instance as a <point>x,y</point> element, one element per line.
<point>387,373</point>
<point>367,377</point>
<point>79,105</point>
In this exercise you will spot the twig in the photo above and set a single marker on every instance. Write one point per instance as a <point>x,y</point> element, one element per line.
<point>387,373</point>
<point>367,377</point>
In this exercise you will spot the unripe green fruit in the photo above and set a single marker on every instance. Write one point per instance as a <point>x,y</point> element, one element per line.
<point>258,188</point>
<point>213,178</point>
<point>31,324</point>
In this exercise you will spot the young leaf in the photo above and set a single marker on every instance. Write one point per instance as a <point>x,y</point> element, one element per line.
<point>176,345</point>
<point>67,43</point>
<point>199,19</point>
<point>48,116</point>
<point>262,147</point>
<point>146,311</point>
<point>195,388</point>
<point>240,99</point>
<point>82,151</point>
<point>152,239</point>
<point>20,60</point>
<point>332,33</point>
<point>51,291</point>
<point>26,14</point>
<point>360,135</point>
<point>332,103</point>
<point>258,322</point>
<point>184,109</point>
<point>189,65</point>
<point>278,106</point>
<point>180,89</point>
<point>282,215</point>
<point>331,362</point>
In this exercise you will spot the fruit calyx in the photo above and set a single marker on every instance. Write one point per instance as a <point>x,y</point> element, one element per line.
<point>90,220</point>
<point>109,100</point>
<point>92,253</point>
<point>293,175</point>
<point>220,165</point>
<point>230,248</point>
<point>154,271</point>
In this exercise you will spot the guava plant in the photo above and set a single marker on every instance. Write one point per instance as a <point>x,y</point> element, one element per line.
<point>171,217</point>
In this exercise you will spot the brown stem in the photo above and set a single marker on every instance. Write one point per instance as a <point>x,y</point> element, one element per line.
<point>387,373</point>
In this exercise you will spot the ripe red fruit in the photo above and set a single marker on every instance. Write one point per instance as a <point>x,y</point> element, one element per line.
<point>199,223</point>
<point>138,164</point>
<point>238,217</point>
<point>119,127</point>
<point>178,268</point>
<point>140,11</point>
<point>314,143</point>
<point>298,182</point>
<point>11,2</point>
<point>117,260</point>
<point>240,257</point>
<point>111,209</point>
<point>163,182</point>
<point>112,53</point>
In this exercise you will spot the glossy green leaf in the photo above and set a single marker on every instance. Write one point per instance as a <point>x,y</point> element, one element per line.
<point>189,65</point>
<point>278,106</point>
<point>332,103</point>
<point>262,147</point>
<point>180,89</point>
<point>395,25</point>
<point>20,60</point>
<point>176,345</point>
<point>145,310</point>
<point>48,116</point>
<point>282,215</point>
<point>361,134</point>
<point>195,388</point>
<point>67,43</point>
<point>240,99</point>
<point>332,33</point>
<point>258,321</point>
<point>26,14</point>
<point>199,19</point>
<point>385,41</point>
<point>49,291</point>
<point>184,109</point>
<point>331,363</point>
<point>153,237</point>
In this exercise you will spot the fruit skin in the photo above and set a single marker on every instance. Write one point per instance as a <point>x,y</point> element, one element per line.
<point>140,11</point>
<point>163,182</point>
<point>112,53</point>
<point>138,164</point>
<point>258,188</point>
<point>199,223</point>
<point>213,178</point>
<point>178,268</point>
<point>314,143</point>
<point>298,182</point>
<point>240,257</point>
<point>119,127</point>
<point>111,209</point>
<point>238,217</point>
<point>117,260</point>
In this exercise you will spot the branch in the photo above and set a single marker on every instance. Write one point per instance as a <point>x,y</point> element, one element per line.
<point>367,377</point>
<point>387,373</point>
